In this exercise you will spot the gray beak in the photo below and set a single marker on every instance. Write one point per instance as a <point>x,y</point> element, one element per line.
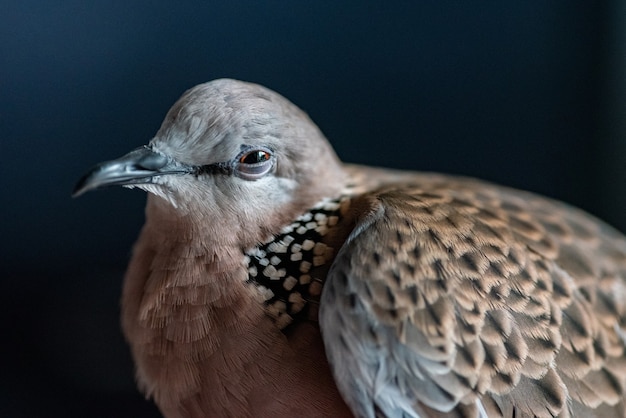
<point>139,166</point>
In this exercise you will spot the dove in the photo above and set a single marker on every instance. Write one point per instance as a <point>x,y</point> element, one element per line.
<point>272,280</point>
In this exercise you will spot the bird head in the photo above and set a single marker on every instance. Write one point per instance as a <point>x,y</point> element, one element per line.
<point>229,149</point>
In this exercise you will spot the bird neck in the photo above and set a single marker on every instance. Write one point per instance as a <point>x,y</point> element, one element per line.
<point>189,303</point>
<point>177,226</point>
<point>289,269</point>
<point>183,301</point>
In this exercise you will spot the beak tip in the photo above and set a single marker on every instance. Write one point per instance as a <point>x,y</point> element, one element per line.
<point>137,167</point>
<point>76,193</point>
<point>80,188</point>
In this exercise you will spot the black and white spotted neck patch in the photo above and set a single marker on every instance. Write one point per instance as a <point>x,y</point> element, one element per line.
<point>282,268</point>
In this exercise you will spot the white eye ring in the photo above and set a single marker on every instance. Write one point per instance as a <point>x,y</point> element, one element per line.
<point>254,163</point>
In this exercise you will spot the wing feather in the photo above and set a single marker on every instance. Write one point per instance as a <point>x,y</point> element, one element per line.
<point>458,298</point>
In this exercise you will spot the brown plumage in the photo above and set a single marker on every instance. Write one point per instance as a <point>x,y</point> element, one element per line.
<point>436,296</point>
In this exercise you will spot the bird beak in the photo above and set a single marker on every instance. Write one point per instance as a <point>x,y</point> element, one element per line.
<point>139,166</point>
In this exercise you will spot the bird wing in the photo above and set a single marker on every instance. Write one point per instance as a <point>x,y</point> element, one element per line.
<point>454,297</point>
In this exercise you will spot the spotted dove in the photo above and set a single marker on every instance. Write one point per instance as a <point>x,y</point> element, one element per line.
<point>272,280</point>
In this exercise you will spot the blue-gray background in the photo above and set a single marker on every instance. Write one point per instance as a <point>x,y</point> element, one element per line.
<point>529,94</point>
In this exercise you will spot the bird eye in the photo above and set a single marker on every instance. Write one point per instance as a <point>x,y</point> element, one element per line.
<point>254,164</point>
<point>254,157</point>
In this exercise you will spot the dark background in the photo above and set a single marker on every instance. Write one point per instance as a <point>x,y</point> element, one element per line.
<point>529,94</point>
